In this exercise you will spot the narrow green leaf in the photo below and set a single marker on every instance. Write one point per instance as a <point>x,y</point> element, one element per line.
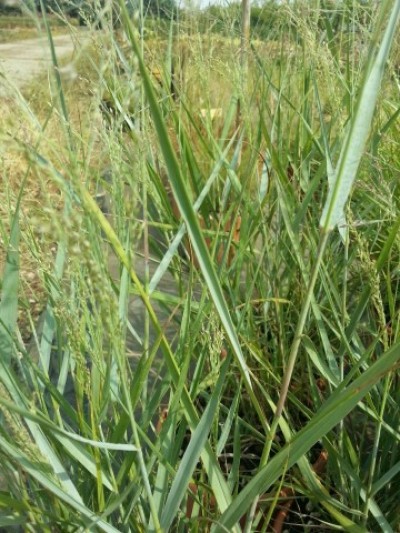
<point>9,294</point>
<point>358,131</point>
<point>166,260</point>
<point>385,479</point>
<point>318,362</point>
<point>192,453</point>
<point>78,453</point>
<point>340,403</point>
<point>47,482</point>
<point>185,206</point>
<point>190,217</point>
<point>8,520</point>
<point>40,439</point>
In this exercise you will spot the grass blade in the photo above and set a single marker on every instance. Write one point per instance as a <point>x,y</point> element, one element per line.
<point>358,131</point>
<point>186,208</point>
<point>192,454</point>
<point>340,403</point>
<point>9,294</point>
<point>45,480</point>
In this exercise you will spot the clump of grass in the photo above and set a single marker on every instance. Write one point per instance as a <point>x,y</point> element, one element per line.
<point>219,350</point>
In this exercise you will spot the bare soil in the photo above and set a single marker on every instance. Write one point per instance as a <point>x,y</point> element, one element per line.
<point>21,61</point>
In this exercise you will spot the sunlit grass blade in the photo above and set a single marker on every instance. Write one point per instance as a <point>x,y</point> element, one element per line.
<point>9,294</point>
<point>10,305</point>
<point>211,356</point>
<point>39,472</point>
<point>192,454</point>
<point>72,442</point>
<point>43,444</point>
<point>186,208</point>
<point>334,206</point>
<point>359,127</point>
<point>340,403</point>
<point>166,260</point>
<point>220,488</point>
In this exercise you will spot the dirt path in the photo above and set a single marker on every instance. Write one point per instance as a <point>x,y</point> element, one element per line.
<point>21,61</point>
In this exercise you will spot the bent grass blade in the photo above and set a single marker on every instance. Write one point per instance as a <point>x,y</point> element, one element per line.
<point>354,142</point>
<point>340,403</point>
<point>352,149</point>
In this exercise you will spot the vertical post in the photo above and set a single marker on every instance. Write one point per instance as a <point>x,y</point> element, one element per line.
<point>244,38</point>
<point>244,50</point>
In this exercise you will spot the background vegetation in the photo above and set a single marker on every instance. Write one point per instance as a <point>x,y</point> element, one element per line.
<point>199,316</point>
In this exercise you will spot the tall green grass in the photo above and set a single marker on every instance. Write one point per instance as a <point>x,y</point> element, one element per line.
<point>218,351</point>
